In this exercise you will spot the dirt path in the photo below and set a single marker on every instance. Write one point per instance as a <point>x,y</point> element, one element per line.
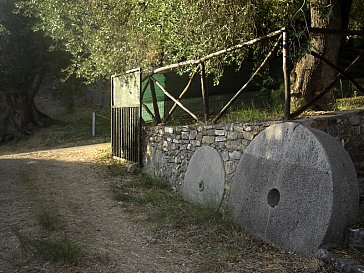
<point>66,181</point>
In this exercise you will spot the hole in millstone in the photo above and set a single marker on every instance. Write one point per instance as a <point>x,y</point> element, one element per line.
<point>273,197</point>
<point>201,186</point>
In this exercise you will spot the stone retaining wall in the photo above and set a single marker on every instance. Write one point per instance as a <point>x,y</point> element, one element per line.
<point>168,149</point>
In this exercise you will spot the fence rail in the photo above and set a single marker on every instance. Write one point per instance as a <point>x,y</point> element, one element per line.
<point>151,82</point>
<point>128,93</point>
<point>200,69</point>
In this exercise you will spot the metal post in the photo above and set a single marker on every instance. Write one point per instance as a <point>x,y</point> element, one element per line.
<point>93,124</point>
<point>287,83</point>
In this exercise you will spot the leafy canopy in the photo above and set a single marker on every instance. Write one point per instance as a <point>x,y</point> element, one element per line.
<point>110,36</point>
<point>24,55</point>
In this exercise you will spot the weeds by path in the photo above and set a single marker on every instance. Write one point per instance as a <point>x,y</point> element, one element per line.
<point>49,219</point>
<point>48,244</point>
<point>215,244</point>
<point>50,249</point>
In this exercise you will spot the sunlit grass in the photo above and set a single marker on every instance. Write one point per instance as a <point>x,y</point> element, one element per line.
<point>251,113</point>
<point>350,103</point>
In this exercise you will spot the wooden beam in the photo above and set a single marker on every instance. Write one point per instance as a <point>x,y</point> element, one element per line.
<point>155,102</point>
<point>286,75</point>
<point>218,53</point>
<point>143,91</point>
<point>182,94</point>
<point>336,31</point>
<point>338,69</point>
<point>300,110</point>
<point>148,111</point>
<point>205,97</point>
<point>173,99</point>
<point>241,90</point>
<point>133,70</point>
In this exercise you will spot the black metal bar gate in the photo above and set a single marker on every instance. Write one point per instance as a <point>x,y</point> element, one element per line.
<point>126,116</point>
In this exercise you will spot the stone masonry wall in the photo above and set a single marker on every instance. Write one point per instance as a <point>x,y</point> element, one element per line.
<point>168,149</point>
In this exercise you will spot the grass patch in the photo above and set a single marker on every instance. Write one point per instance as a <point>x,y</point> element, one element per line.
<point>76,126</point>
<point>147,181</point>
<point>253,113</point>
<point>54,250</point>
<point>212,241</point>
<point>61,250</point>
<point>349,103</point>
<point>116,169</point>
<point>64,133</point>
<point>163,206</point>
<point>111,167</point>
<point>174,212</point>
<point>71,132</point>
<point>139,192</point>
<point>51,246</point>
<point>122,195</point>
<point>49,219</point>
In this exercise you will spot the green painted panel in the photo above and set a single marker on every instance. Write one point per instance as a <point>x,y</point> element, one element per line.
<point>161,78</point>
<point>146,116</point>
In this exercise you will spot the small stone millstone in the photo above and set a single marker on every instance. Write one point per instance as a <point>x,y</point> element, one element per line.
<point>205,178</point>
<point>295,187</point>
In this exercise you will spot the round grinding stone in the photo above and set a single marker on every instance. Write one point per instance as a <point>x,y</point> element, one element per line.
<point>205,178</point>
<point>295,187</point>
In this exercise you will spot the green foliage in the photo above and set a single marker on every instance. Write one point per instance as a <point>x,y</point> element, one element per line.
<point>112,36</point>
<point>24,55</point>
<point>356,20</point>
<point>25,64</point>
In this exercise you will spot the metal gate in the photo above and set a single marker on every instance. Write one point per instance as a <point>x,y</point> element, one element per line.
<point>126,116</point>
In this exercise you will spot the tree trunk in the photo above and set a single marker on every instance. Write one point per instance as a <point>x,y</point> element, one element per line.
<point>23,116</point>
<point>310,75</point>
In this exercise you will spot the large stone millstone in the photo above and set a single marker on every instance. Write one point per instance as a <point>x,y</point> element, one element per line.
<point>295,187</point>
<point>205,178</point>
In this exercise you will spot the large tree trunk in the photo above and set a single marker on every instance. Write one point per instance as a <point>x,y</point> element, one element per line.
<point>310,75</point>
<point>22,115</point>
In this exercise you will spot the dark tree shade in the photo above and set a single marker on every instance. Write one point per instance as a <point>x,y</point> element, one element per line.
<point>24,63</point>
